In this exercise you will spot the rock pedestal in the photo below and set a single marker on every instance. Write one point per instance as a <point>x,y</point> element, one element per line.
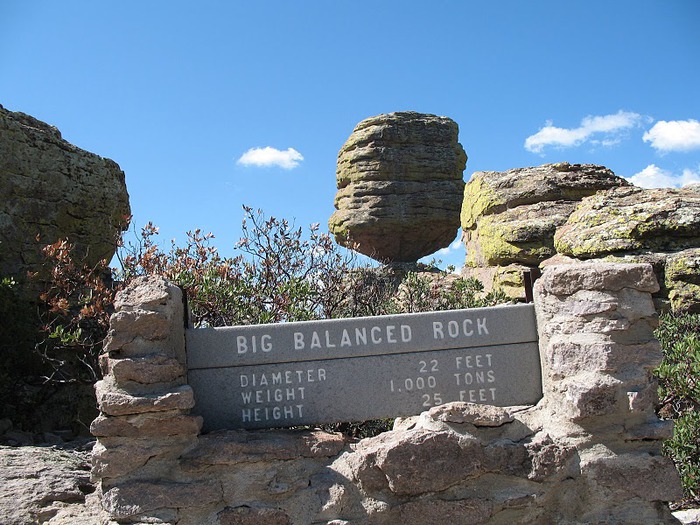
<point>400,183</point>
<point>587,453</point>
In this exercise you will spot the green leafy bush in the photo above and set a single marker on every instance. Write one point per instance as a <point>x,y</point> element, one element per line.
<point>679,391</point>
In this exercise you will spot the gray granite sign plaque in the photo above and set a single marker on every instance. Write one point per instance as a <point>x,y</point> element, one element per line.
<point>288,374</point>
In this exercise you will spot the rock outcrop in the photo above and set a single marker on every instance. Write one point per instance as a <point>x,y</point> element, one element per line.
<point>509,218</point>
<point>656,226</point>
<point>48,485</point>
<point>51,189</point>
<point>400,183</point>
<point>632,220</point>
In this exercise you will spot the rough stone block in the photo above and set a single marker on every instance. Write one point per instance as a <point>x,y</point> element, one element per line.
<point>253,516</point>
<point>125,325</point>
<point>114,457</point>
<point>114,402</point>
<point>591,395</point>
<point>240,446</point>
<point>596,275</point>
<point>140,497</point>
<point>429,512</point>
<point>153,368</point>
<point>652,478</point>
<point>151,292</point>
<point>146,425</point>
<point>417,461</point>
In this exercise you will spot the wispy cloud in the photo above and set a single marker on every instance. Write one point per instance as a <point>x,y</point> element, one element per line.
<point>654,177</point>
<point>674,135</point>
<point>604,130</point>
<point>268,157</point>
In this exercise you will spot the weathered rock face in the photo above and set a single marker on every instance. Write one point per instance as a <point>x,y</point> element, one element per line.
<point>400,183</point>
<point>47,485</point>
<point>657,226</point>
<point>510,217</point>
<point>53,189</point>
<point>629,220</point>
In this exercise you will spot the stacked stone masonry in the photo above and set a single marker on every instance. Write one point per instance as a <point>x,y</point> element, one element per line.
<point>588,452</point>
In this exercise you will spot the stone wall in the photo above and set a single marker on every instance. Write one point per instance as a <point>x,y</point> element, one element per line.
<point>589,452</point>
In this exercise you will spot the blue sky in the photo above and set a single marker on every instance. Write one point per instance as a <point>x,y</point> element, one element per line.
<point>210,105</point>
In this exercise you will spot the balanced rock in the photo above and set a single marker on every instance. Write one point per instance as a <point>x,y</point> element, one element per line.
<point>399,179</point>
<point>511,216</point>
<point>52,190</point>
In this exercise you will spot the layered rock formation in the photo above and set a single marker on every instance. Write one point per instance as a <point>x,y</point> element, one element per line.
<point>399,180</point>
<point>51,189</point>
<point>657,226</point>
<point>629,220</point>
<point>509,218</point>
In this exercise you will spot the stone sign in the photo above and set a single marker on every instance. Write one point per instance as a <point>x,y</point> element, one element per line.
<point>289,374</point>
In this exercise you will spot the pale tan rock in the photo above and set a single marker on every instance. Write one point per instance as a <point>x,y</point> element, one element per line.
<point>550,459</point>
<point>399,180</point>
<point>241,446</point>
<point>153,368</point>
<point>115,402</point>
<point>419,461</point>
<point>140,323</point>
<point>146,425</point>
<point>113,457</point>
<point>653,478</point>
<point>139,497</point>
<point>253,516</point>
<point>598,275</point>
<point>36,483</point>
<point>477,415</point>
<point>463,512</point>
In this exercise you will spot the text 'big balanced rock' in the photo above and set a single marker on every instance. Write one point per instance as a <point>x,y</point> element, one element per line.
<point>400,186</point>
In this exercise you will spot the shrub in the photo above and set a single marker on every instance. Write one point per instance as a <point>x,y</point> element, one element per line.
<point>279,273</point>
<point>679,391</point>
<point>74,311</point>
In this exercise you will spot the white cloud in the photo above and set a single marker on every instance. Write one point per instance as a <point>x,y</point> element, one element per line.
<point>269,157</point>
<point>456,245</point>
<point>654,177</point>
<point>610,126</point>
<point>674,135</point>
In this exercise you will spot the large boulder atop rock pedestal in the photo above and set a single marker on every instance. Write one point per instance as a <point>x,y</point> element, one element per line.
<point>51,189</point>
<point>400,186</point>
<point>510,217</point>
